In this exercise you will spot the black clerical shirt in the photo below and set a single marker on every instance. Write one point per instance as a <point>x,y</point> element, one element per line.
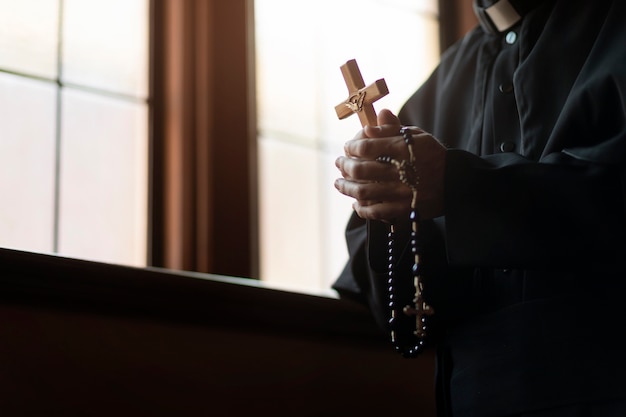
<point>526,271</point>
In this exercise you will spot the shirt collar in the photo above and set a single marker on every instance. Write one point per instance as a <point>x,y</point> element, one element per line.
<point>501,15</point>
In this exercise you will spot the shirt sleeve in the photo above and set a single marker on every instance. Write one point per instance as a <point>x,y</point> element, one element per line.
<point>563,212</point>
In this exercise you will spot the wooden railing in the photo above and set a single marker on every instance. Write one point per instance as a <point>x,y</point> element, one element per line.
<point>81,338</point>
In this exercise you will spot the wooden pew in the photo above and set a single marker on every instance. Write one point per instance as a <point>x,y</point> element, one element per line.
<point>81,338</point>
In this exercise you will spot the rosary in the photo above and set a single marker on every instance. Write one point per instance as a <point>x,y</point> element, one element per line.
<point>412,342</point>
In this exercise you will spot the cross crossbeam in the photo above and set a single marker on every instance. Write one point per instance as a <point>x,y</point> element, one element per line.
<point>361,98</point>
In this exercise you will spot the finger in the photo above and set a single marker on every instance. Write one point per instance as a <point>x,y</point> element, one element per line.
<point>372,148</point>
<point>380,131</point>
<point>364,170</point>
<point>373,191</point>
<point>388,125</point>
<point>360,135</point>
<point>368,202</point>
<point>386,117</point>
<point>387,211</point>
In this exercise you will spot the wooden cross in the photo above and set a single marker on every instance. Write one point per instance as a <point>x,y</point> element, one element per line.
<point>422,310</point>
<point>361,98</point>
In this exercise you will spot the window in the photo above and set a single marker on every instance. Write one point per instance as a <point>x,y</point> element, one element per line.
<point>299,48</point>
<point>74,121</point>
<point>74,128</point>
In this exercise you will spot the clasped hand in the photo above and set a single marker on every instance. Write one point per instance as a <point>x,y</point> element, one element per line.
<point>376,187</point>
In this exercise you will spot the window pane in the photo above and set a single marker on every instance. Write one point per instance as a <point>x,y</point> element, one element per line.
<point>29,36</point>
<point>286,70</point>
<point>105,45</point>
<point>289,256</point>
<point>27,163</point>
<point>103,202</point>
<point>299,84</point>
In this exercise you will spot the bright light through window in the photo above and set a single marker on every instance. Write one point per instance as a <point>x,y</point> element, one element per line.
<point>74,128</point>
<point>300,47</point>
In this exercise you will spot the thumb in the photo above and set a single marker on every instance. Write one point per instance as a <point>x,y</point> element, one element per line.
<point>388,125</point>
<point>386,117</point>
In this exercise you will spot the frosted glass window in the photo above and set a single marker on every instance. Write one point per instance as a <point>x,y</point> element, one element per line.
<point>103,183</point>
<point>287,68</point>
<point>29,36</point>
<point>74,128</point>
<point>105,45</point>
<point>288,223</point>
<point>27,163</point>
<point>299,49</point>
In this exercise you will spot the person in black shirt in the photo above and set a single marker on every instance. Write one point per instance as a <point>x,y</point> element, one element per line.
<point>519,144</point>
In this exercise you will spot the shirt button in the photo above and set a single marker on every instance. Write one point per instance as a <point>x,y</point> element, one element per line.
<point>507,146</point>
<point>511,37</point>
<point>506,88</point>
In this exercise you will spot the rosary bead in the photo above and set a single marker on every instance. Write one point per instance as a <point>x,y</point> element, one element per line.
<point>410,344</point>
<point>407,135</point>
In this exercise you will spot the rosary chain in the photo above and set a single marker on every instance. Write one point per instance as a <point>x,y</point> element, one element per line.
<point>419,309</point>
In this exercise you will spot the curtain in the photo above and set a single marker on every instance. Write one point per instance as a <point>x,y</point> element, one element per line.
<point>203,137</point>
<point>456,18</point>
